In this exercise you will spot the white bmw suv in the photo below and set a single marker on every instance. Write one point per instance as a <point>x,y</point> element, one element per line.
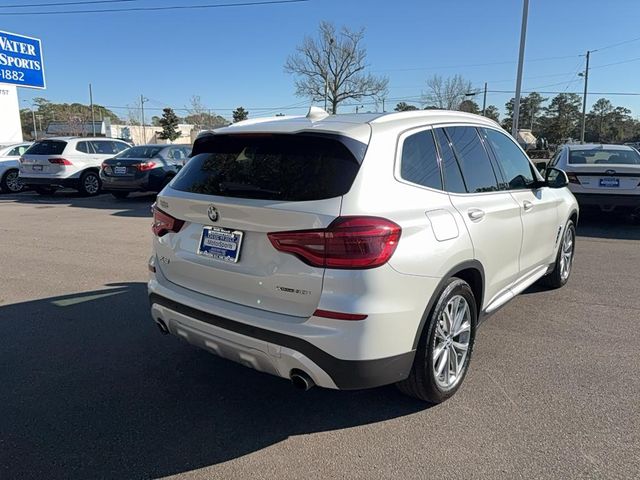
<point>71,162</point>
<point>352,251</point>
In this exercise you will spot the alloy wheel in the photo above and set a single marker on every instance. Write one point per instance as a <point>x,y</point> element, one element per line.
<point>91,184</point>
<point>566,254</point>
<point>13,182</point>
<point>451,342</point>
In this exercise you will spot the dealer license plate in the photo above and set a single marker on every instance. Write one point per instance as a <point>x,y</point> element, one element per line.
<point>220,243</point>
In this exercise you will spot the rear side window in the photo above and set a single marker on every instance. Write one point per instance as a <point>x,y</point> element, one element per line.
<point>473,159</point>
<point>47,147</point>
<point>453,181</point>
<point>419,163</point>
<point>515,165</point>
<point>293,167</point>
<point>84,147</point>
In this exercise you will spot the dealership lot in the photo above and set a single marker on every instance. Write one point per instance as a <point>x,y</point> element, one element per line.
<point>90,389</point>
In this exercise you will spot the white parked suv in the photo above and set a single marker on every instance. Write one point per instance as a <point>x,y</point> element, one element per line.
<point>9,165</point>
<point>71,162</point>
<point>352,251</point>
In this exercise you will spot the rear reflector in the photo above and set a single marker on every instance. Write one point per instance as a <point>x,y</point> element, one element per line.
<point>347,243</point>
<point>339,315</point>
<point>60,161</point>
<point>164,223</point>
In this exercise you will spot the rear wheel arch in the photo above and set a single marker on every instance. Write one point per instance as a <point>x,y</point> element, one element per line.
<point>472,272</point>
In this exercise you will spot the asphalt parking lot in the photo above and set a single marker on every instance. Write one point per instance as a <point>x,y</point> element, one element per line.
<point>90,389</point>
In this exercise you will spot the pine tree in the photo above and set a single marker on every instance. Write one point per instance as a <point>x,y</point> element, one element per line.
<point>169,123</point>
<point>240,114</point>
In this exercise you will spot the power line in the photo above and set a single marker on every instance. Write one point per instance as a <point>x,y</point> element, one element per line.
<point>617,63</point>
<point>156,9</point>
<point>624,42</point>
<point>28,5</point>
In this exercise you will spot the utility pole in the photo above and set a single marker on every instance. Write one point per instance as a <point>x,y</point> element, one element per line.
<point>523,37</point>
<point>35,130</point>
<point>584,99</point>
<point>93,118</point>
<point>484,99</point>
<point>383,110</point>
<point>144,129</point>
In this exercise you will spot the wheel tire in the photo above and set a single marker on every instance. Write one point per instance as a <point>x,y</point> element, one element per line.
<point>120,195</point>
<point>11,182</point>
<point>90,184</point>
<point>44,190</point>
<point>560,276</point>
<point>423,382</point>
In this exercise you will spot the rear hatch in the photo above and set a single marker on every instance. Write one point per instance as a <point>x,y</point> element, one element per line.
<point>611,171</point>
<point>133,161</point>
<point>43,158</point>
<point>235,190</point>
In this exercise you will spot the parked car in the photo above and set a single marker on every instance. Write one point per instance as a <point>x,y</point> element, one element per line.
<point>144,168</point>
<point>606,177</point>
<point>72,162</point>
<point>352,251</point>
<point>10,165</point>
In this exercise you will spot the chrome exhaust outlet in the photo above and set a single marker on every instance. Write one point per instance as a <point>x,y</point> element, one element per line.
<point>301,380</point>
<point>162,327</point>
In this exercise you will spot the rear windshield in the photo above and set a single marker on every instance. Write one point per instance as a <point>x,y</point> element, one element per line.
<point>140,152</point>
<point>288,167</point>
<point>47,147</point>
<point>604,157</point>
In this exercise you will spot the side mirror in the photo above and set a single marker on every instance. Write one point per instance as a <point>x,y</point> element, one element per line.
<point>556,178</point>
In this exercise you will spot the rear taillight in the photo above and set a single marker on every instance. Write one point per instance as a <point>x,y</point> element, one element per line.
<point>21,159</point>
<point>144,166</point>
<point>104,165</point>
<point>348,242</point>
<point>573,178</point>
<point>60,161</point>
<point>164,223</point>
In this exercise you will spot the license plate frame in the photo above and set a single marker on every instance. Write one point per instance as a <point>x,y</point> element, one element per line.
<point>609,182</point>
<point>219,240</point>
<point>37,168</point>
<point>119,170</point>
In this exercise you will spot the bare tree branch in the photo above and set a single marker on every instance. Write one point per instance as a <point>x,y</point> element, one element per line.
<point>446,94</point>
<point>333,66</point>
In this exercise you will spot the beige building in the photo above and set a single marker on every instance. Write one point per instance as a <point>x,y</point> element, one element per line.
<point>149,134</point>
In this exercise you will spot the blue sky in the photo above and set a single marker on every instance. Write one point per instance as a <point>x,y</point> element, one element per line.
<point>234,56</point>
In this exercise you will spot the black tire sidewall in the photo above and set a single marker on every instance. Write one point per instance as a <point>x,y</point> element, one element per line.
<point>83,178</point>
<point>3,182</point>
<point>455,286</point>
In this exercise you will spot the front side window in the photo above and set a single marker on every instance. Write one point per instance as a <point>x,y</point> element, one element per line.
<point>419,163</point>
<point>515,165</point>
<point>103,147</point>
<point>473,159</point>
<point>119,146</point>
<point>17,151</point>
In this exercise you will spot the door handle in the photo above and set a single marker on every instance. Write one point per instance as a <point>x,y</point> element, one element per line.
<point>475,214</point>
<point>527,205</point>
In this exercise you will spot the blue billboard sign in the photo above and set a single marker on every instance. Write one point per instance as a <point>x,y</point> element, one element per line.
<point>21,60</point>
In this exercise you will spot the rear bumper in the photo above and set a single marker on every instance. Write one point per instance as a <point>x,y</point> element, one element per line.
<point>607,201</point>
<point>50,181</point>
<point>273,352</point>
<point>127,184</point>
